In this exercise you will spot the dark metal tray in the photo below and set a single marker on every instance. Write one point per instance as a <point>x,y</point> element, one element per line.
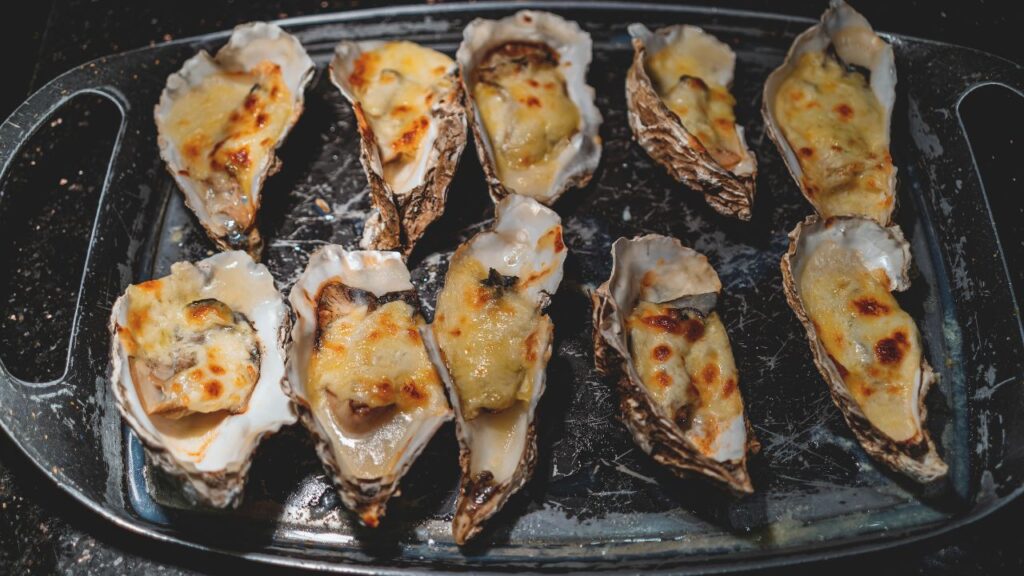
<point>596,502</point>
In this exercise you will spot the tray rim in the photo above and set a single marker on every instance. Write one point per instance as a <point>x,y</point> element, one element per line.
<point>758,559</point>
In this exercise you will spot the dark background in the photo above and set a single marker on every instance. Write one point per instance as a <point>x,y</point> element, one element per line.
<point>44,531</point>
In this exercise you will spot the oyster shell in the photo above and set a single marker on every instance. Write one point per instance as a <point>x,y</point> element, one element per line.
<point>656,332</point>
<point>220,120</point>
<point>838,276</point>
<point>359,373</point>
<point>197,360</point>
<point>412,126</point>
<point>681,113</point>
<point>491,342</point>
<point>531,110</point>
<point>836,142</point>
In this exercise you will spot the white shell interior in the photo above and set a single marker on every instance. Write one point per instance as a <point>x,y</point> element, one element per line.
<point>673,271</point>
<point>879,248</point>
<point>406,432</point>
<point>573,46</point>
<point>855,43</point>
<point>249,45</point>
<point>235,279</point>
<point>711,52</point>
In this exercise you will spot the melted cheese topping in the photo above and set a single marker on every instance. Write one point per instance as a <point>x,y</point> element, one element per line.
<point>704,107</point>
<point>522,99</point>
<point>687,367</point>
<point>374,359</point>
<point>224,129</point>
<point>187,355</point>
<point>836,127</point>
<point>873,343</point>
<point>396,85</point>
<point>493,338</point>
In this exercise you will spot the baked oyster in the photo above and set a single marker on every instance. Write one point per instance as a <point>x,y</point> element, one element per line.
<point>408,105</point>
<point>360,375</point>
<point>531,110</point>
<point>838,275</point>
<point>491,342</point>
<point>828,109</point>
<point>197,361</point>
<point>220,120</point>
<point>657,333</point>
<point>681,113</point>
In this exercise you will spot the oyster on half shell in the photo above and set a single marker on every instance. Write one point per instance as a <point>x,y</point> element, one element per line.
<point>531,110</point>
<point>408,105</point>
<point>828,109</point>
<point>220,120</point>
<point>657,333</point>
<point>681,113</point>
<point>838,276</point>
<point>197,360</point>
<point>360,375</point>
<point>491,342</point>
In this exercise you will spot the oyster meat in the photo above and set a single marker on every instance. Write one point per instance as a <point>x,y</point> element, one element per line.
<point>657,333</point>
<point>681,113</point>
<point>220,120</point>
<point>360,375</point>
<point>408,105</point>
<point>838,276</point>
<point>197,361</point>
<point>531,110</point>
<point>491,342</point>
<point>828,109</point>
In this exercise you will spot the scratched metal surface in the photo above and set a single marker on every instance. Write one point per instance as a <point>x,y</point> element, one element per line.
<point>596,501</point>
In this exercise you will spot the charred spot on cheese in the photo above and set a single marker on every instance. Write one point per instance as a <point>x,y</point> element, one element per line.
<point>873,344</point>
<point>493,347</point>
<point>685,362</point>
<point>183,350</point>
<point>704,108</point>
<point>395,85</point>
<point>226,127</point>
<point>832,119</point>
<point>521,95</point>
<point>364,367</point>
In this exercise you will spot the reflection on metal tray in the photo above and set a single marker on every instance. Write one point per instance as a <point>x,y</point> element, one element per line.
<point>596,501</point>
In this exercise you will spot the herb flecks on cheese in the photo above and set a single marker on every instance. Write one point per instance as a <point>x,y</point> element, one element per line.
<point>704,108</point>
<point>872,342</point>
<point>226,128</point>
<point>369,359</point>
<point>521,96</point>
<point>686,364</point>
<point>188,354</point>
<point>836,127</point>
<point>493,337</point>
<point>396,86</point>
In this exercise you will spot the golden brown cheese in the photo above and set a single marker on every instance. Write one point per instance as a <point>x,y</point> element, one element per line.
<point>837,129</point>
<point>873,343</point>
<point>374,358</point>
<point>521,95</point>
<point>224,129</point>
<point>493,338</point>
<point>396,85</point>
<point>187,354</point>
<point>703,107</point>
<point>686,365</point>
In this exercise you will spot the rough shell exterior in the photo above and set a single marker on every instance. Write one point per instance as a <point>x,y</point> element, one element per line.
<point>919,461</point>
<point>660,132</point>
<point>573,46</point>
<point>866,51</point>
<point>657,436</point>
<point>268,411</point>
<point>399,220</point>
<point>249,44</point>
